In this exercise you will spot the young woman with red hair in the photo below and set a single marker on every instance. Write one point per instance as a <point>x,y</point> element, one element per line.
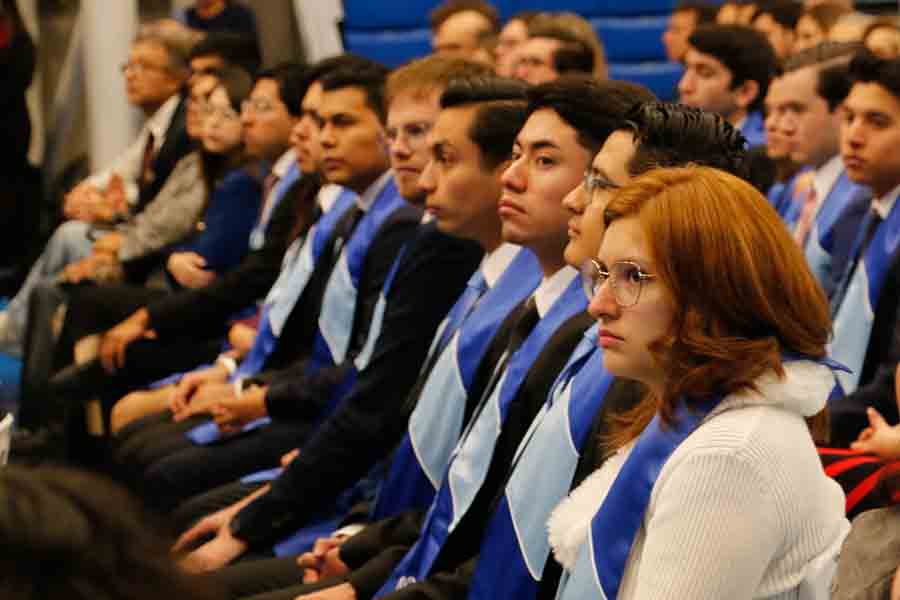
<point>713,488</point>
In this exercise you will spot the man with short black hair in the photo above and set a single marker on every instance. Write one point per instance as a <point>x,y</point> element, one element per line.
<point>866,302</point>
<point>217,49</point>
<point>727,71</point>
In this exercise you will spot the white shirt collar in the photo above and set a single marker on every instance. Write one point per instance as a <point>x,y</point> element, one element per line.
<point>552,288</point>
<point>495,263</point>
<point>884,204</point>
<point>158,124</point>
<point>284,162</point>
<point>368,197</point>
<point>826,176</point>
<point>328,193</point>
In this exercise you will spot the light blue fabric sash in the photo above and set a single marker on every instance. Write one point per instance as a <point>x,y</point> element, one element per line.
<point>258,234</point>
<point>421,459</point>
<point>472,457</point>
<point>338,302</point>
<point>820,243</point>
<point>602,560</point>
<point>515,546</point>
<point>857,302</point>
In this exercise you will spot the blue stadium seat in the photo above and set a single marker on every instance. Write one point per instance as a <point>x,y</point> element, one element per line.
<point>661,77</point>
<point>390,47</point>
<point>375,15</point>
<point>633,39</point>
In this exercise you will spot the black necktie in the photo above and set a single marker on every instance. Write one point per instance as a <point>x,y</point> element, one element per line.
<point>528,318</point>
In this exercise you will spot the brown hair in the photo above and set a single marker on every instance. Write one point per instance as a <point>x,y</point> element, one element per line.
<point>826,15</point>
<point>581,32</point>
<point>742,291</point>
<point>453,7</point>
<point>431,74</point>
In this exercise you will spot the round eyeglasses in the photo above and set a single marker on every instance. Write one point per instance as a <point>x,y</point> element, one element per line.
<point>626,279</point>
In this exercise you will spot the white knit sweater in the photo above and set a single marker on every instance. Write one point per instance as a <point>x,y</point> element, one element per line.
<point>741,509</point>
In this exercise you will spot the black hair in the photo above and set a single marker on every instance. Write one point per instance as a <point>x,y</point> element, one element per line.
<point>704,11</point>
<point>502,111</point>
<point>784,12</point>
<point>593,108</point>
<point>368,76</point>
<point>868,68</point>
<point>234,48</point>
<point>833,80</point>
<point>75,535</point>
<point>745,52</point>
<point>671,134</point>
<point>574,55</point>
<point>291,80</point>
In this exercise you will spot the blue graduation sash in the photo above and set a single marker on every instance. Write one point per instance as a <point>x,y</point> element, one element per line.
<point>419,462</point>
<point>258,234</point>
<point>472,456</point>
<point>338,302</point>
<point>290,284</point>
<point>820,243</point>
<point>855,311</point>
<point>754,129</point>
<point>602,560</point>
<point>515,546</point>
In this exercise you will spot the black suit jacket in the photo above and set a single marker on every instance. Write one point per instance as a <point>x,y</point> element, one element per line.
<point>372,416</point>
<point>207,309</point>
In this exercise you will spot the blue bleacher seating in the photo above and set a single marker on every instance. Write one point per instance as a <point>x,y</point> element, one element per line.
<point>631,30</point>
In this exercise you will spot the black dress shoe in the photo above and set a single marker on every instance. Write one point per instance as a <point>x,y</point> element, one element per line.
<point>45,444</point>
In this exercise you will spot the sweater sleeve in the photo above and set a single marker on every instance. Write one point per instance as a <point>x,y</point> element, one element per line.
<point>712,534</point>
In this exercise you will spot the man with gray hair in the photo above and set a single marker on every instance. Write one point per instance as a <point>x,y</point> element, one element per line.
<point>155,73</point>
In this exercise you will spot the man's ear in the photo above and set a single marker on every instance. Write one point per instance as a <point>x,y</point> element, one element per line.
<point>746,93</point>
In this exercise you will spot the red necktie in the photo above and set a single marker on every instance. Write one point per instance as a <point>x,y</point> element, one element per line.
<point>804,223</point>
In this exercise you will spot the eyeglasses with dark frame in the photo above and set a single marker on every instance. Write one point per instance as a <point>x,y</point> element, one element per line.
<point>626,279</point>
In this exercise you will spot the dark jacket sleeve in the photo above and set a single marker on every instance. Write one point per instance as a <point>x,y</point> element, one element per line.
<point>234,290</point>
<point>371,419</point>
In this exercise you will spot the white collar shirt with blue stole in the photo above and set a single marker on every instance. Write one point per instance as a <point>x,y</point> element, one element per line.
<point>515,547</point>
<point>288,172</point>
<point>856,299</point>
<point>558,298</point>
<point>507,275</point>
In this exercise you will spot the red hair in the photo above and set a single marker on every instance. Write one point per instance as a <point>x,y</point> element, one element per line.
<point>742,291</point>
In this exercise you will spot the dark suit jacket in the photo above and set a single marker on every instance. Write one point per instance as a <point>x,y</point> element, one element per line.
<point>176,146</point>
<point>454,565</point>
<point>372,416</point>
<point>207,309</point>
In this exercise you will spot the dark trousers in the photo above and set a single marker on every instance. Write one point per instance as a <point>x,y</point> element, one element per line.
<point>174,469</point>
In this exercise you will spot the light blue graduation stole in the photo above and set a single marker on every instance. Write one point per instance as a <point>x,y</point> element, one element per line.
<point>290,284</point>
<point>602,560</point>
<point>855,310</point>
<point>339,299</point>
<point>820,242</point>
<point>420,461</point>
<point>754,130</point>
<point>515,546</point>
<point>258,234</point>
<point>472,456</point>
